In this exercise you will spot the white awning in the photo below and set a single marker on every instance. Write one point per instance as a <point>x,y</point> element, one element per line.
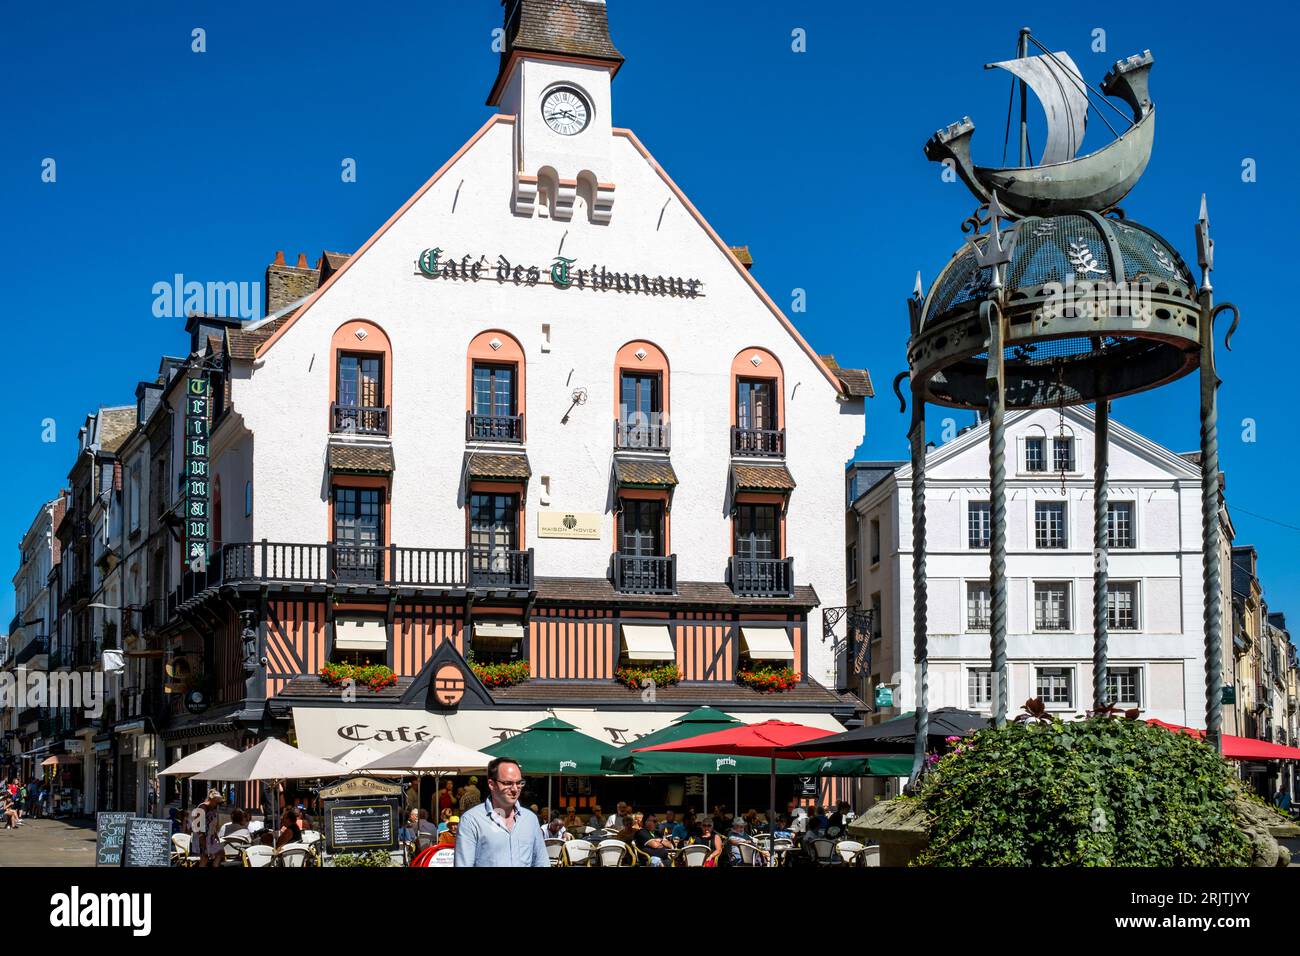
<point>497,634</point>
<point>648,642</point>
<point>766,644</point>
<point>360,634</point>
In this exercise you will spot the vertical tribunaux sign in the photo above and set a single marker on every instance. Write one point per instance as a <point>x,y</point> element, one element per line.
<point>197,517</point>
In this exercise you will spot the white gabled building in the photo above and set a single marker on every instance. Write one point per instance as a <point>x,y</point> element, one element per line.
<point>1156,653</point>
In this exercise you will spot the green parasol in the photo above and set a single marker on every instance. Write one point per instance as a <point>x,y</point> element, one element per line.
<point>554,746</point>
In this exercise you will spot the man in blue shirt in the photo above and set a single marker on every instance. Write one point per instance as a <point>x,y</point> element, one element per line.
<point>500,831</point>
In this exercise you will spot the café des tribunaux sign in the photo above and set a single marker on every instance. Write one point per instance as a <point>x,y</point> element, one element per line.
<point>560,273</point>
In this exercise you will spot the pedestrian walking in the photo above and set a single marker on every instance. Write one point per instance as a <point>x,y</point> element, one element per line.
<point>499,831</point>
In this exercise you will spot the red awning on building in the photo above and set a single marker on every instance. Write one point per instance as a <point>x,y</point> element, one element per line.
<point>1240,748</point>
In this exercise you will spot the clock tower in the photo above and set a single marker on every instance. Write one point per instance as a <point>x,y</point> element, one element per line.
<point>556,66</point>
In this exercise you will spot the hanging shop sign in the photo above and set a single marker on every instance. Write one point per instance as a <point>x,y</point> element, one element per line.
<point>198,528</point>
<point>568,524</point>
<point>884,697</point>
<point>562,273</point>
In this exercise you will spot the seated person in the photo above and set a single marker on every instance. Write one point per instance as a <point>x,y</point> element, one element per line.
<point>737,837</point>
<point>9,813</point>
<point>290,831</point>
<point>706,837</point>
<point>448,837</point>
<point>643,835</point>
<point>237,827</point>
<point>553,829</point>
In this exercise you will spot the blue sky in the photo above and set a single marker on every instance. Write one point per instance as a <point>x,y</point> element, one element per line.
<point>171,161</point>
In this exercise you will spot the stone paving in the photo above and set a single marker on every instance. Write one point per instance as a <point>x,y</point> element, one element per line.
<point>49,843</point>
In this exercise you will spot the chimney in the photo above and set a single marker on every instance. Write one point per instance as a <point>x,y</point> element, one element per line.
<point>286,284</point>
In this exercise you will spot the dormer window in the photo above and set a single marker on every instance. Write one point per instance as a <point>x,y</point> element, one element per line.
<point>1063,453</point>
<point>1034,460</point>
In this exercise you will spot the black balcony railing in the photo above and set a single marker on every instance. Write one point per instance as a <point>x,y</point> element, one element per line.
<point>762,577</point>
<point>87,654</point>
<point>358,419</point>
<point>34,648</point>
<point>645,574</point>
<point>76,590</point>
<point>494,427</point>
<point>349,564</point>
<point>766,442</point>
<point>641,435</point>
<point>499,568</point>
<point>1051,624</point>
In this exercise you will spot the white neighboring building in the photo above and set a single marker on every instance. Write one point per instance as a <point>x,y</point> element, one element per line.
<point>1155,649</point>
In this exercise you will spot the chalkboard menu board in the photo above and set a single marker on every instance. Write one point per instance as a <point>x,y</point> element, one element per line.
<point>353,825</point>
<point>110,831</point>
<point>147,842</point>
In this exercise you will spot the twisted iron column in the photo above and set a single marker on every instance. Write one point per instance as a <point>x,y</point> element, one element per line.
<point>920,604</point>
<point>995,380</point>
<point>1212,583</point>
<point>1101,555</point>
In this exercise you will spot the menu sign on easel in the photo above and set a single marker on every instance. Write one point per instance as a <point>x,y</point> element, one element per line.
<point>110,834</point>
<point>147,842</point>
<point>356,825</point>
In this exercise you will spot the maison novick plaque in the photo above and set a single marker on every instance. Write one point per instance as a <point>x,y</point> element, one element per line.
<point>357,826</point>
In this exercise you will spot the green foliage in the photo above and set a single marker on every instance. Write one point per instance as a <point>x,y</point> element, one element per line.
<point>1095,792</point>
<point>373,858</point>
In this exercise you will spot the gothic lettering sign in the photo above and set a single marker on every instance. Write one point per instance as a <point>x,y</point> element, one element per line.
<point>197,474</point>
<point>561,273</point>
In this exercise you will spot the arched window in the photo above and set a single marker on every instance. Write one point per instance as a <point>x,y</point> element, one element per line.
<point>361,386</point>
<point>641,392</point>
<point>757,416</point>
<point>494,393</point>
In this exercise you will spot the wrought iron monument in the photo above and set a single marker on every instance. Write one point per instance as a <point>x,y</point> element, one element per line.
<point>1057,299</point>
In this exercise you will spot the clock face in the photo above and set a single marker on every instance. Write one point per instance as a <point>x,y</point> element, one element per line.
<point>566,110</point>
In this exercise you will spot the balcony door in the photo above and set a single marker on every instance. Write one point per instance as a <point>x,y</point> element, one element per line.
<point>757,532</point>
<point>360,393</point>
<point>640,408</point>
<point>494,402</point>
<point>756,404</point>
<point>358,533</point>
<point>493,533</point>
<point>640,542</point>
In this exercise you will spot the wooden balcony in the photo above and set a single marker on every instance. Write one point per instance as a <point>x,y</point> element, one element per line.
<point>386,566</point>
<point>358,420</point>
<point>502,428</point>
<point>762,577</point>
<point>641,435</point>
<point>759,442</point>
<point>645,574</point>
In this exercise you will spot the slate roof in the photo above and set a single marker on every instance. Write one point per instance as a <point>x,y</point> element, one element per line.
<point>585,590</point>
<point>483,465</point>
<point>574,27</point>
<point>655,472</point>
<point>856,381</point>
<point>761,477</point>
<point>719,694</point>
<point>115,424</point>
<point>361,459</point>
<point>243,343</point>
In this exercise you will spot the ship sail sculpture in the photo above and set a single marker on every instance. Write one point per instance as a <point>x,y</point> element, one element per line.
<point>1062,180</point>
<point>993,333</point>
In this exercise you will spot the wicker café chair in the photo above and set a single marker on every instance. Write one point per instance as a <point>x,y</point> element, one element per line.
<point>694,855</point>
<point>577,853</point>
<point>614,853</point>
<point>258,855</point>
<point>555,850</point>
<point>181,855</point>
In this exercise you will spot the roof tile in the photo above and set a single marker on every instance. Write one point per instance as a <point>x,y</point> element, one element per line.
<point>761,477</point>
<point>360,459</point>
<point>509,466</point>
<point>642,472</point>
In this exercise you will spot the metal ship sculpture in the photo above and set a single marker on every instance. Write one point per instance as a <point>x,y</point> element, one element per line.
<point>1062,180</point>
